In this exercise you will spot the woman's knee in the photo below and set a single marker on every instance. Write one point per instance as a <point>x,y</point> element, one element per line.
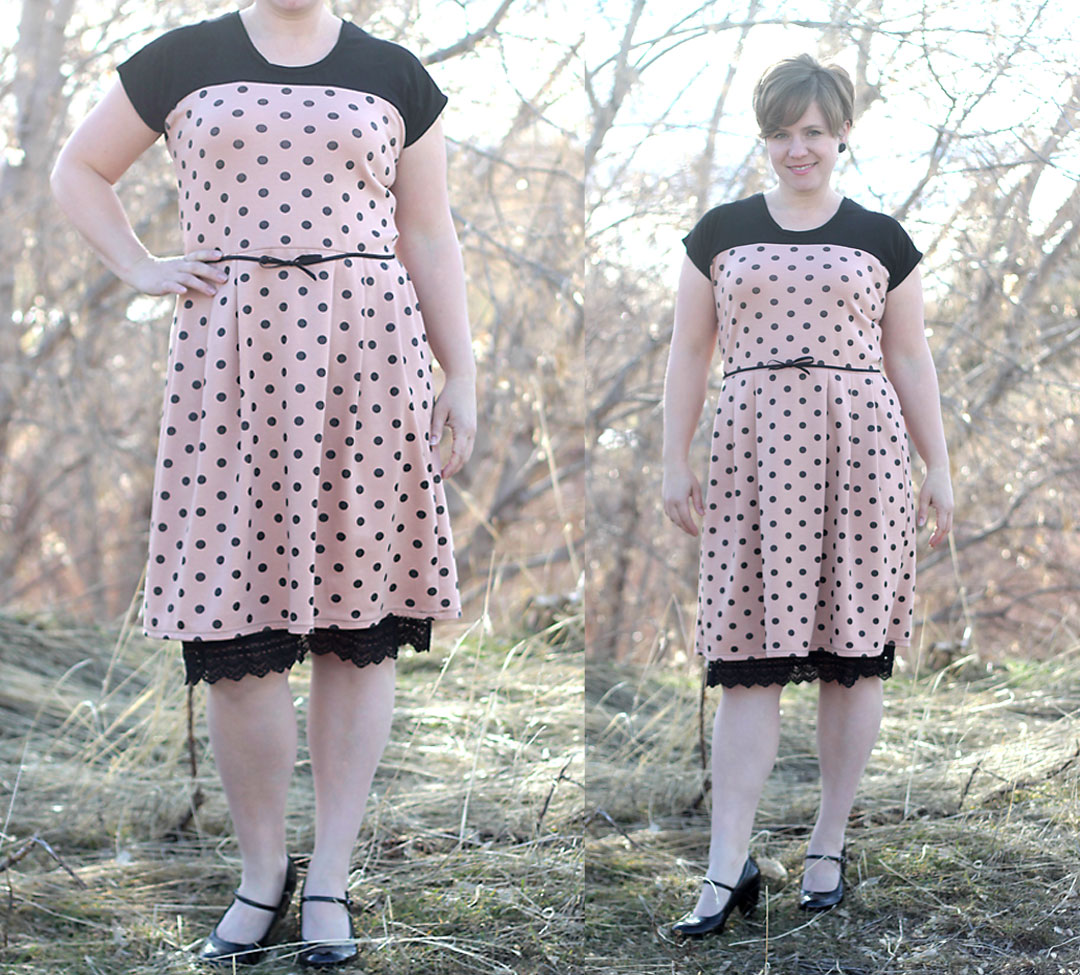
<point>248,687</point>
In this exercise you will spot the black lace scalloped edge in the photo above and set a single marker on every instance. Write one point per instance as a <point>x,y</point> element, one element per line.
<point>257,654</point>
<point>817,665</point>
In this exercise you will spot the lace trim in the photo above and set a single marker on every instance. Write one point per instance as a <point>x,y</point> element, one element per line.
<point>257,654</point>
<point>374,643</point>
<point>817,665</point>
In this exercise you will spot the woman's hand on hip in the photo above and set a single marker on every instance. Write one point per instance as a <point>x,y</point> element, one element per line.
<point>936,493</point>
<point>455,407</point>
<point>175,275</point>
<point>682,491</point>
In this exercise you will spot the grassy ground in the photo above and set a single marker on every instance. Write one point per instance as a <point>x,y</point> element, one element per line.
<point>469,860</point>
<point>963,845</point>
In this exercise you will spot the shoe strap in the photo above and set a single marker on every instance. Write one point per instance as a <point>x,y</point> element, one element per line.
<point>825,856</point>
<point>323,897</point>
<point>716,883</point>
<point>248,900</point>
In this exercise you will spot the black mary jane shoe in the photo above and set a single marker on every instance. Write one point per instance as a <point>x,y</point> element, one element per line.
<point>325,954</point>
<point>744,895</point>
<point>821,900</point>
<point>218,951</point>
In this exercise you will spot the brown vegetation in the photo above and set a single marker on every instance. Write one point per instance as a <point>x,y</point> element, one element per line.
<point>963,843</point>
<point>116,858</point>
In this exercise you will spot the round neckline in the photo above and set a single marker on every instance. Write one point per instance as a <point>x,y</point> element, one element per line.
<point>287,67</point>
<point>784,230</point>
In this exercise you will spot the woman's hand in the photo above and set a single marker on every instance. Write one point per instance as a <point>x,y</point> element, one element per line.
<point>681,491</point>
<point>175,275</point>
<point>455,407</point>
<point>936,493</point>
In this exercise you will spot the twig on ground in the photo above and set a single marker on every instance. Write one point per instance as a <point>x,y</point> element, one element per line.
<point>547,801</point>
<point>12,858</point>
<point>602,814</point>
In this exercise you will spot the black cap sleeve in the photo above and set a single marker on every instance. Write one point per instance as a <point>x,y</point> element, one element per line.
<point>702,243</point>
<point>423,99</point>
<point>901,255</point>
<point>146,80</point>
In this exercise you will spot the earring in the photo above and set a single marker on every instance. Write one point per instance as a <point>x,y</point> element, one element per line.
<point>843,146</point>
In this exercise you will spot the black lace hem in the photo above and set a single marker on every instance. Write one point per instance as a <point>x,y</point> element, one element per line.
<point>257,654</point>
<point>817,665</point>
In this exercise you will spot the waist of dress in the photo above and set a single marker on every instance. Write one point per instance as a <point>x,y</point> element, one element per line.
<point>301,261</point>
<point>803,363</point>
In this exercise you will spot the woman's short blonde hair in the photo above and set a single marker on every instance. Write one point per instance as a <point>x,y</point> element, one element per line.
<point>789,87</point>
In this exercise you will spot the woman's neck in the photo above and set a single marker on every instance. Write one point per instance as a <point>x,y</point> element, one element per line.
<point>285,35</point>
<point>802,211</point>
<point>824,200</point>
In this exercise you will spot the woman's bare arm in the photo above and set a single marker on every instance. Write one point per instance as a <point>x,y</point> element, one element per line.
<point>685,386</point>
<point>429,248</point>
<point>96,155</point>
<point>910,369</point>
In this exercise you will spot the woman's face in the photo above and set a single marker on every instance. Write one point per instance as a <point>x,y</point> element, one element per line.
<point>804,153</point>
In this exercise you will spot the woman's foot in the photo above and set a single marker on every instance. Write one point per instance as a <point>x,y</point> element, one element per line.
<point>820,875</point>
<point>326,928</point>
<point>226,949</point>
<point>816,894</point>
<point>742,894</point>
<point>323,920</point>
<point>245,924</point>
<point>713,897</point>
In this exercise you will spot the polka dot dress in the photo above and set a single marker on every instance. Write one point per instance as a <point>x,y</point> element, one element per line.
<point>295,486</point>
<point>808,543</point>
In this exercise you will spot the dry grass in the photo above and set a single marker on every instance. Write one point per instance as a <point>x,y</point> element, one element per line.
<point>964,840</point>
<point>469,860</point>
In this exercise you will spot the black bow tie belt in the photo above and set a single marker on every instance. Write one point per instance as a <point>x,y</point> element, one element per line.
<point>301,261</point>
<point>803,363</point>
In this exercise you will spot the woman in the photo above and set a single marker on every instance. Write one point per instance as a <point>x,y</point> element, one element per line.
<point>808,525</point>
<point>298,500</point>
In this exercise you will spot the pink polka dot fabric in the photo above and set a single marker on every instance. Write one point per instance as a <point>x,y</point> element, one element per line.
<point>295,486</point>
<point>808,541</point>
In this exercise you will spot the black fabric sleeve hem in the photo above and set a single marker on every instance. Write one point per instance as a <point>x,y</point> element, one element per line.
<point>692,252</point>
<point>142,77</point>
<point>414,130</point>
<point>901,275</point>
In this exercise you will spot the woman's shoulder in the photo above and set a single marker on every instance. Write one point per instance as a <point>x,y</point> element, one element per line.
<point>726,225</point>
<point>193,37</point>
<point>355,39</point>
<point>739,216</point>
<point>882,235</point>
<point>733,210</point>
<point>873,220</point>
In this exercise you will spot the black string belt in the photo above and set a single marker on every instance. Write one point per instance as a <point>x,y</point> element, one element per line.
<point>803,363</point>
<point>301,261</point>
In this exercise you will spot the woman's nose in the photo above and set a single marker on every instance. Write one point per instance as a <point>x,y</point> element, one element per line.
<point>797,147</point>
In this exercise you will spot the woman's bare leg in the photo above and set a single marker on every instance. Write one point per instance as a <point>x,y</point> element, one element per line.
<point>847,727</point>
<point>252,726</point>
<point>746,735</point>
<point>349,716</point>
